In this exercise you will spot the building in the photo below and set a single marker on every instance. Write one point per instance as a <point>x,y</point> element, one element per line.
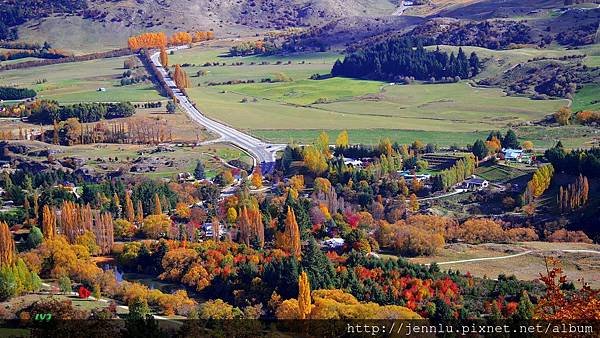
<point>334,243</point>
<point>353,162</point>
<point>208,229</point>
<point>515,155</point>
<point>476,183</point>
<point>408,176</point>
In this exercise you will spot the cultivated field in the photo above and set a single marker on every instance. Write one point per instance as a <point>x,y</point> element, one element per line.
<point>79,82</point>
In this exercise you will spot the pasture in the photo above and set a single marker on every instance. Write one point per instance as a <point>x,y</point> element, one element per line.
<point>79,82</point>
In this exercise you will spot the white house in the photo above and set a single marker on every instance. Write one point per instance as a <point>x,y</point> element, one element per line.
<point>515,155</point>
<point>353,162</point>
<point>334,243</point>
<point>476,183</point>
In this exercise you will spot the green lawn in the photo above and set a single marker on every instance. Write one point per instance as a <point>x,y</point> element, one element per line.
<point>79,82</point>
<point>585,98</point>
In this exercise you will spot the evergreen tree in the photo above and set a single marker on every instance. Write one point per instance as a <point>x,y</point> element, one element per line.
<point>510,140</point>
<point>321,272</point>
<point>479,149</point>
<point>525,308</point>
<point>199,171</point>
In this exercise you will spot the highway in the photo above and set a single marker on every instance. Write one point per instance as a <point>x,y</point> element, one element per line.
<point>263,153</point>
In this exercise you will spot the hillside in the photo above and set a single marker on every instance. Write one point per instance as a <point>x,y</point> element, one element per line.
<point>94,25</point>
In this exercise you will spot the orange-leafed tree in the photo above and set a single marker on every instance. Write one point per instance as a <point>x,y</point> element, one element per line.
<point>129,210</point>
<point>181,78</point>
<point>180,38</point>
<point>291,236</point>
<point>257,177</point>
<point>157,205</point>
<point>164,58</point>
<point>7,245</point>
<point>139,215</point>
<point>48,222</point>
<point>147,40</point>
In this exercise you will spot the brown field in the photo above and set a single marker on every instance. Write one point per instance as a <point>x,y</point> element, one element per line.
<point>577,266</point>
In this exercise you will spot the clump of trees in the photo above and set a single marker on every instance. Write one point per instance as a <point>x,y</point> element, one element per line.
<point>460,171</point>
<point>406,57</point>
<point>42,111</point>
<point>538,184</point>
<point>575,162</point>
<point>12,93</point>
<point>574,195</point>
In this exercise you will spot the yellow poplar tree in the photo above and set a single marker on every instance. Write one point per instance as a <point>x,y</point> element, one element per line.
<point>342,140</point>
<point>304,296</point>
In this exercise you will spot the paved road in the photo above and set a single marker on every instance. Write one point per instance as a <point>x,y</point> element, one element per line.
<point>263,153</point>
<point>400,10</point>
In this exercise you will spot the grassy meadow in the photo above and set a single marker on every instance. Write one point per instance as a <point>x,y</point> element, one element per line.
<point>79,82</point>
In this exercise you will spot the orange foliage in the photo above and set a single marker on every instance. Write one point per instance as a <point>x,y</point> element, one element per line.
<point>147,40</point>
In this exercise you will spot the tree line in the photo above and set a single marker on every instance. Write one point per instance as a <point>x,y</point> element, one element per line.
<point>12,93</point>
<point>47,112</point>
<point>398,58</point>
<point>575,162</point>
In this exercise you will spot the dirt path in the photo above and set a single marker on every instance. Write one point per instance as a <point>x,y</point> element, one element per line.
<point>512,256</point>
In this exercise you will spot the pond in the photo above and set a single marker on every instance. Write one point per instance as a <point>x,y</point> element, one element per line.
<point>150,281</point>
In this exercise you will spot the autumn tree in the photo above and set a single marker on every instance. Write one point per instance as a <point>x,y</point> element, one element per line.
<point>7,245</point>
<point>385,146</point>
<point>574,195</point>
<point>314,160</point>
<point>164,58</point>
<point>563,116</point>
<point>527,146</point>
<point>104,232</point>
<point>48,222</point>
<point>129,210</point>
<point>154,226</point>
<point>414,203</point>
<point>257,177</point>
<point>180,38</point>
<point>304,301</point>
<point>342,141</point>
<point>139,215</point>
<point>147,40</point>
<point>291,236</point>
<point>181,78</point>
<point>557,304</point>
<point>157,205</point>
<point>538,184</point>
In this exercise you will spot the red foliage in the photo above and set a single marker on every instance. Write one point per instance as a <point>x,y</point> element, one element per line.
<point>83,292</point>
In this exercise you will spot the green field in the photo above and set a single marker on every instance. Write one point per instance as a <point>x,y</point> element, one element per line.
<point>498,173</point>
<point>587,97</point>
<point>372,136</point>
<point>79,82</point>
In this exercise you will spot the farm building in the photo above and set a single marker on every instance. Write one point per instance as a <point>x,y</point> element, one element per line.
<point>476,183</point>
<point>515,155</point>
